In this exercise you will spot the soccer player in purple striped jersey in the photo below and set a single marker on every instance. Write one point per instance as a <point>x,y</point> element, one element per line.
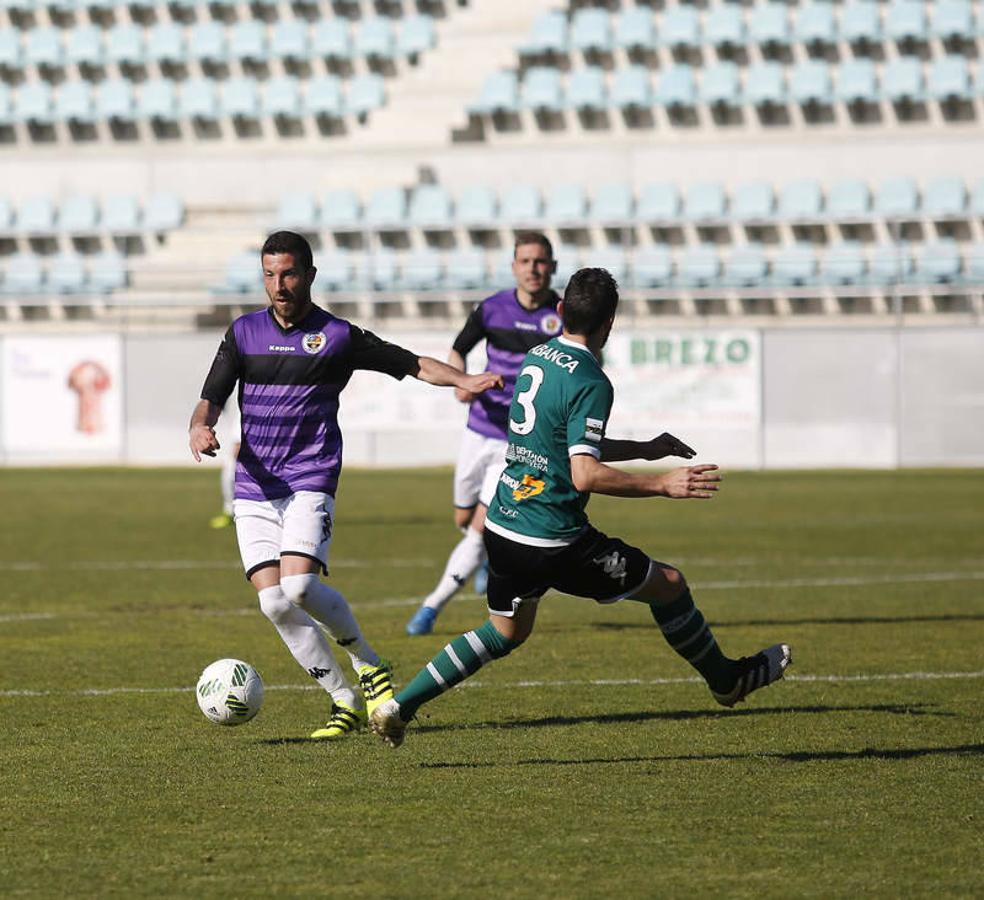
<point>511,322</point>
<point>292,360</point>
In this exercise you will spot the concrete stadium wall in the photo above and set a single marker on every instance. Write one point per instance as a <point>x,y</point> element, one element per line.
<point>771,398</point>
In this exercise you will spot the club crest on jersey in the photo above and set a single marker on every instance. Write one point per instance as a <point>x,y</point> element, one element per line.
<point>550,324</point>
<point>314,343</point>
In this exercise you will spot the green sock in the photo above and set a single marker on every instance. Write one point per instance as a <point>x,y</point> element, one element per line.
<point>464,656</point>
<point>690,636</point>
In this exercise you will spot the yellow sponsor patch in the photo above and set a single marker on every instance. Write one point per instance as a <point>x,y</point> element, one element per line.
<point>529,488</point>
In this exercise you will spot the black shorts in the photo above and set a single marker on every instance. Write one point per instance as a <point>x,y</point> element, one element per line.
<point>595,565</point>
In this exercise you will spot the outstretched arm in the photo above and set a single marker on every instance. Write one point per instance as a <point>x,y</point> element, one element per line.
<point>433,371</point>
<point>655,448</point>
<point>687,482</point>
<point>201,433</point>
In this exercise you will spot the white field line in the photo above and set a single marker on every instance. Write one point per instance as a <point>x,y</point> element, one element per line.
<point>171,565</point>
<point>27,617</point>
<point>597,682</point>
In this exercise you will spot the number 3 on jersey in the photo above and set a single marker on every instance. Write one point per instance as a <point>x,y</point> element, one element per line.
<point>525,400</point>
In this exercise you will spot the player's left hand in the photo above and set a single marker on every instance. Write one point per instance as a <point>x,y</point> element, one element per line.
<point>479,384</point>
<point>667,445</point>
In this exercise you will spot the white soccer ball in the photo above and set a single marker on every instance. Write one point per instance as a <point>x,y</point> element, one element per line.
<point>229,692</point>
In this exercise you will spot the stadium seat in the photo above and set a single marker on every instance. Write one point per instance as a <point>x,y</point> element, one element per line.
<point>382,271</point>
<point>591,31</point>
<point>290,41</point>
<point>158,100</point>
<point>586,89</point>
<point>387,209</point>
<point>78,215</point>
<point>477,207</point>
<point>83,46</point>
<point>613,205</point>
<point>6,216</point>
<point>566,204</point>
<point>431,207</point>
<point>857,81</point>
<point>298,211</point>
<point>466,270</point>
<point>500,94</point>
<point>861,23</point>
<point>125,45</point>
<point>341,211</point>
<point>680,28</point>
<point>974,264</point>
<point>705,202</point>
<point>952,20</point>
<point>753,201</point>
<point>199,99</point>
<point>945,198</point>
<point>897,198</point>
<point>889,264</point>
<point>765,85</point>
<point>905,21</point>
<point>11,51</point>
<point>207,43</point>
<point>166,44</point>
<point>422,270</point>
<point>902,80</point>
<point>699,266</point>
<point>632,88</point>
<point>24,274</point>
<point>658,203</point>
<point>331,40</point>
<point>720,85</point>
<point>374,39</point>
<point>115,100</point>
<point>282,97</point>
<point>635,29</point>
<point>949,79</point>
<point>33,103</point>
<point>768,25</point>
<point>652,266</point>
<point>977,198</point>
<point>724,27</point>
<point>849,200</point>
<point>843,263</point>
<point>746,266</point>
<point>417,35</point>
<point>801,201</point>
<point>43,48</point>
<point>613,258</point>
<point>568,259</point>
<point>365,93</point>
<point>163,212</point>
<point>816,26</point>
<point>795,265</point>
<point>7,117</point>
<point>74,102</point>
<point>323,97</point>
<point>243,274</point>
<point>66,274</point>
<point>809,83</point>
<point>248,42</point>
<point>541,90</point>
<point>677,87</point>
<point>336,271</point>
<point>938,262</point>
<point>121,215</point>
<point>521,205</point>
<point>239,98</point>
<point>36,215</point>
<point>547,36</point>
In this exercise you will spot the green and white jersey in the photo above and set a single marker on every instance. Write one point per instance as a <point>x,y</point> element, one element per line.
<point>560,409</point>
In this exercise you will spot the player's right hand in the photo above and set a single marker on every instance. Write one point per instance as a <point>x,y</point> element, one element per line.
<point>463,396</point>
<point>479,384</point>
<point>202,441</point>
<point>692,482</point>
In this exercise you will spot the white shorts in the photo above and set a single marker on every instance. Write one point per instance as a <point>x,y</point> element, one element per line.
<point>298,525</point>
<point>476,475</point>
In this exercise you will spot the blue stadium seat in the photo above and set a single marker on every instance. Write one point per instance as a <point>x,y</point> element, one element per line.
<point>43,48</point>
<point>78,215</point>
<point>659,203</point>
<point>239,98</point>
<point>857,81</point>
<point>115,100</point>
<point>336,271</point>
<point>331,40</point>
<point>431,207</point>
<point>323,97</point>
<point>613,205</point>
<point>721,85</point>
<point>66,274</point>
<point>36,215</point>
<point>282,97</point>
<point>33,103</point>
<point>902,80</point>
<point>568,259</point>
<point>680,28</point>
<point>939,262</point>
<point>614,259</point>
<point>74,102</point>
<point>382,271</point>
<point>977,198</point>
<point>207,43</point>
<point>795,265</point>
<point>365,93</point>
<point>905,21</point>
<point>163,211</point>
<point>952,20</point>
<point>243,274</point>
<point>861,22</point>
<point>768,25</point>
<point>699,266</point>
<point>677,87</point>
<point>125,45</point>
<point>298,211</point>
<point>897,198</point>
<point>945,198</point>
<point>11,51</point>
<point>374,39</point>
<point>843,263</point>
<point>849,200</point>
<point>121,215</point>
<point>801,201</point>
<point>248,41</point>
<point>652,266</point>
<point>83,46</point>
<point>816,26</point>
<point>632,88</point>
<point>24,274</point>
<point>341,211</point>
<point>521,205</point>
<point>591,31</point>
<point>477,206</point>
<point>949,79</point>
<point>566,204</point>
<point>746,266</point>
<point>500,94</point>
<point>466,270</point>
<point>765,85</point>
<point>889,264</point>
<point>387,209</point>
<point>974,264</point>
<point>290,41</point>
<point>423,270</point>
<point>541,89</point>
<point>7,116</point>
<point>809,83</point>
<point>6,215</point>
<point>586,89</point>
<point>198,98</point>
<point>724,28</point>
<point>417,34</point>
<point>706,202</point>
<point>635,29</point>
<point>547,36</point>
<point>753,201</point>
<point>166,44</point>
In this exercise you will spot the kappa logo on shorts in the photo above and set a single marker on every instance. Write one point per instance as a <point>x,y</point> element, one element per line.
<point>529,488</point>
<point>314,342</point>
<point>614,565</point>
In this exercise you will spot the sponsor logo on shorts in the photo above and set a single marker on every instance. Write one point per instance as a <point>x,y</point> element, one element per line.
<point>550,324</point>
<point>314,342</point>
<point>614,565</point>
<point>594,429</point>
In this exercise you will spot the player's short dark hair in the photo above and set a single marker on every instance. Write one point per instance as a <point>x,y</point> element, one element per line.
<point>288,242</point>
<point>590,300</point>
<point>532,237</point>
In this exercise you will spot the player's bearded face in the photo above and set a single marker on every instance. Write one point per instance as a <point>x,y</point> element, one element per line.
<point>288,286</point>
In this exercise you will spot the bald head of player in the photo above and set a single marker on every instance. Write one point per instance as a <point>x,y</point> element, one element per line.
<point>288,273</point>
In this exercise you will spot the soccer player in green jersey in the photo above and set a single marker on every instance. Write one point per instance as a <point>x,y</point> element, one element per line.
<point>538,535</point>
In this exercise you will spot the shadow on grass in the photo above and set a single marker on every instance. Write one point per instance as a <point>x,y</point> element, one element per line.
<point>796,756</point>
<point>838,620</point>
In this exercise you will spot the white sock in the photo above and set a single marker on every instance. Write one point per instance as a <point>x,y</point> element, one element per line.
<point>227,479</point>
<point>331,609</point>
<point>306,642</point>
<point>466,557</point>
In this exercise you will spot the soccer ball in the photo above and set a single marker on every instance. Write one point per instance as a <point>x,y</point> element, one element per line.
<point>229,692</point>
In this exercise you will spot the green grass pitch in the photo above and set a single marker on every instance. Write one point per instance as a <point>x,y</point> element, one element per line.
<point>587,764</point>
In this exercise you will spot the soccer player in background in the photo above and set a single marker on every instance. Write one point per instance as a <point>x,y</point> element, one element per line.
<point>538,535</point>
<point>510,322</point>
<point>292,360</point>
